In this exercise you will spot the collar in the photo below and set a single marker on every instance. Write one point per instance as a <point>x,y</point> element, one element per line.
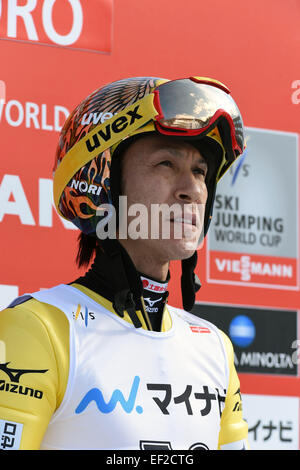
<point>166,322</point>
<point>114,277</point>
<point>155,295</point>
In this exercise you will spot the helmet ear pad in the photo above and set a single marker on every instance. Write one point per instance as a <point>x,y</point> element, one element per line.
<point>116,170</point>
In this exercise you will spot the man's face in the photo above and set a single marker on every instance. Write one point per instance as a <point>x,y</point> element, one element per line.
<point>161,172</point>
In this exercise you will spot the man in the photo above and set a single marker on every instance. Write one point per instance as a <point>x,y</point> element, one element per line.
<point>104,362</point>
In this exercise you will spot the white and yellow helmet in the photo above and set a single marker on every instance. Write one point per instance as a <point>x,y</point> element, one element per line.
<point>189,108</point>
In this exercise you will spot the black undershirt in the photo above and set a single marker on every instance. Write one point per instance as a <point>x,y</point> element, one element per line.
<point>155,295</point>
<point>100,280</point>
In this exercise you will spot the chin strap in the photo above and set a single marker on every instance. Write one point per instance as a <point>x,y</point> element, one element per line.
<point>190,283</point>
<point>129,297</point>
<point>126,297</point>
<point>123,300</point>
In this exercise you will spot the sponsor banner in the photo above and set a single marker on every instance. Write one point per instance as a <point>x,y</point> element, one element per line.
<point>75,24</point>
<point>253,239</point>
<point>264,340</point>
<point>255,269</point>
<point>14,201</point>
<point>32,115</point>
<point>273,422</point>
<point>2,91</point>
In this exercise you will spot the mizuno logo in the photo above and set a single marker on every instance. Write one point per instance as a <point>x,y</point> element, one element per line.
<point>95,395</point>
<point>118,125</point>
<point>15,374</point>
<point>20,389</point>
<point>152,302</point>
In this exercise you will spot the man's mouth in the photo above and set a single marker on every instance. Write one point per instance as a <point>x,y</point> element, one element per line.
<point>187,220</point>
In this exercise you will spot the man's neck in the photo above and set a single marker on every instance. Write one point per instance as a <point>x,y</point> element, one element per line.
<point>146,263</point>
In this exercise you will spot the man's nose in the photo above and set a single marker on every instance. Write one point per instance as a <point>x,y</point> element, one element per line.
<point>190,189</point>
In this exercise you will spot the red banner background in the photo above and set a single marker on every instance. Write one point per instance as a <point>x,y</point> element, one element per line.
<point>253,47</point>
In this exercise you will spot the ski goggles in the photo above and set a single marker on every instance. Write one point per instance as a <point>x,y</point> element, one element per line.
<point>195,106</point>
<point>184,107</point>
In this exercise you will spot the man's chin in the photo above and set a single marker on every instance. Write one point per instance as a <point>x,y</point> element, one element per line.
<point>182,249</point>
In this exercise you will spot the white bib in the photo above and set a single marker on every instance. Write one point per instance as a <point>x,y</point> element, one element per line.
<point>130,388</point>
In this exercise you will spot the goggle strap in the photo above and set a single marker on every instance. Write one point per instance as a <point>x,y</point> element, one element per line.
<point>211,81</point>
<point>131,118</point>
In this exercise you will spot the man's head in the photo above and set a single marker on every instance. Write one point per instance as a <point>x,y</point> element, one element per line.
<point>164,182</point>
<point>194,118</point>
<point>186,109</point>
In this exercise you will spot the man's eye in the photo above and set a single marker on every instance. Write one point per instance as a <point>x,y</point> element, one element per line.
<point>200,171</point>
<point>166,163</point>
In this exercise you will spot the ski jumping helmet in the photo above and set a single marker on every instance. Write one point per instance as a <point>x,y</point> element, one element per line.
<point>196,109</point>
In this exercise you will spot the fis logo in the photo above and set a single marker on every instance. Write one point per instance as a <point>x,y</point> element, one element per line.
<point>85,316</point>
<point>241,168</point>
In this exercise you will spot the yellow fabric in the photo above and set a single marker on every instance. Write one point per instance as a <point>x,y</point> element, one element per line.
<point>36,338</point>
<point>233,427</point>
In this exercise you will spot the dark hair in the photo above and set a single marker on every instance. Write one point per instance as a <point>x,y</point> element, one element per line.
<point>87,247</point>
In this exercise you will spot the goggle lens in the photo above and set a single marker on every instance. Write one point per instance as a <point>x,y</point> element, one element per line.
<point>186,105</point>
